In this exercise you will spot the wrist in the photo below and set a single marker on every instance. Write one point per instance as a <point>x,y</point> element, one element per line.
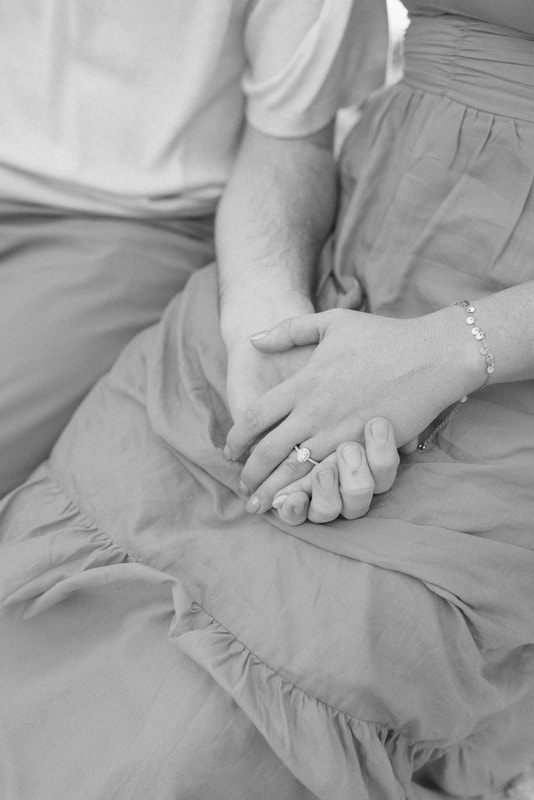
<point>459,365</point>
<point>243,314</point>
<point>462,355</point>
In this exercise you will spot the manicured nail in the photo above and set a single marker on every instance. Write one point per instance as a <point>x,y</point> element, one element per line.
<point>380,430</point>
<point>253,504</point>
<point>352,455</point>
<point>327,479</point>
<point>242,489</point>
<point>227,453</point>
<point>279,500</point>
<point>257,336</point>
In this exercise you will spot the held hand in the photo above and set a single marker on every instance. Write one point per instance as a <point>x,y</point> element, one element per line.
<point>251,373</point>
<point>364,366</point>
<point>344,483</point>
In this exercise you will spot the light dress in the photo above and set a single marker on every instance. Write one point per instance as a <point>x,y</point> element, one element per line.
<point>158,642</point>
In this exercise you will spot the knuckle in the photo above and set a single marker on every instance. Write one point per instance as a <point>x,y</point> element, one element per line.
<point>385,464</point>
<point>289,519</point>
<point>384,482</point>
<point>359,493</point>
<point>356,513</point>
<point>321,517</point>
<point>298,517</point>
<point>356,503</point>
<point>328,510</point>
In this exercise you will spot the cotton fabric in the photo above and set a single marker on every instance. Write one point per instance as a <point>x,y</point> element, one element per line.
<point>385,658</point>
<point>136,109</point>
<point>75,289</point>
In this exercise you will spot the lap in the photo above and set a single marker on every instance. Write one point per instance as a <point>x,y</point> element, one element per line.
<point>375,647</point>
<point>73,292</point>
<point>122,712</point>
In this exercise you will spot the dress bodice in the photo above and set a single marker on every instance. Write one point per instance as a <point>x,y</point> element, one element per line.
<point>518,14</point>
<point>480,61</point>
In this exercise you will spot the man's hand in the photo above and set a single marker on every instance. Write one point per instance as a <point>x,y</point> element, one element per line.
<point>345,482</point>
<point>252,373</point>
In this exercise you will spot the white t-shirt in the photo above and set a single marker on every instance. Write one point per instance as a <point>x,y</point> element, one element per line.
<point>135,107</point>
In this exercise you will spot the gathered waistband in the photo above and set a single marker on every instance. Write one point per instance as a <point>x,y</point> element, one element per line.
<point>476,63</point>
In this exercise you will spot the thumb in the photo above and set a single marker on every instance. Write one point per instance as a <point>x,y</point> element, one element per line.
<point>293,332</point>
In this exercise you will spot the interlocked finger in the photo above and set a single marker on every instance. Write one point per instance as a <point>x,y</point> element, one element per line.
<point>382,455</point>
<point>254,424</point>
<point>356,482</point>
<point>343,483</point>
<point>326,503</point>
<point>293,507</point>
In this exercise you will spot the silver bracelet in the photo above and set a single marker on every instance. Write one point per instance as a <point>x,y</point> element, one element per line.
<point>480,336</point>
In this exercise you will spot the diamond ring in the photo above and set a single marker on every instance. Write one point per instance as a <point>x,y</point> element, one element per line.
<point>303,454</point>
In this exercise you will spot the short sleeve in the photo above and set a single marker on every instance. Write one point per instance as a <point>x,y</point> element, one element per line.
<point>308,58</point>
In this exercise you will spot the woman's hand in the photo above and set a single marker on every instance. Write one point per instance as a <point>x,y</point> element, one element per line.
<point>364,366</point>
<point>344,483</point>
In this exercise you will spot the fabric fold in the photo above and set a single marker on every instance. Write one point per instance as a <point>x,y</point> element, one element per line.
<point>322,746</point>
<point>400,596</point>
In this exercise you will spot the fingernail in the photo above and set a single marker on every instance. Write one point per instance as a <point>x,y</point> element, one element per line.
<point>327,479</point>
<point>380,430</point>
<point>227,453</point>
<point>279,500</point>
<point>298,510</point>
<point>257,336</point>
<point>253,504</point>
<point>243,489</point>
<point>352,455</point>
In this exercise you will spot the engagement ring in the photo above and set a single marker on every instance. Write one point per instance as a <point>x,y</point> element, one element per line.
<point>303,454</point>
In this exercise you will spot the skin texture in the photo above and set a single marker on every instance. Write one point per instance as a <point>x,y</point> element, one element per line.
<point>344,483</point>
<point>272,221</point>
<point>407,371</point>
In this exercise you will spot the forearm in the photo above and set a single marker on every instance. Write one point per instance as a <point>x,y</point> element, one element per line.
<point>272,221</point>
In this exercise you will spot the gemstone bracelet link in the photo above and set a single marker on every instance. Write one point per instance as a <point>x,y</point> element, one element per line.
<point>480,336</point>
